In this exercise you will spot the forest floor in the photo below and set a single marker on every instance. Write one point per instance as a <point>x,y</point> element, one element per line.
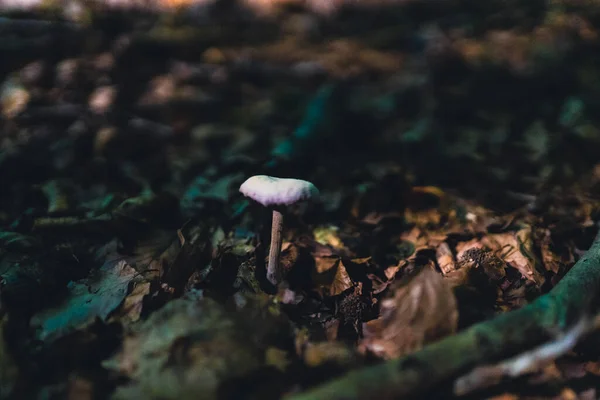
<point>454,144</point>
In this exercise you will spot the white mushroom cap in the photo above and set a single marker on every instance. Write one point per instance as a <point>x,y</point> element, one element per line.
<point>270,191</point>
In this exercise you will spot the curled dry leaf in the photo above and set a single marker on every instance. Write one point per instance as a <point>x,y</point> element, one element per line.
<point>341,280</point>
<point>331,275</point>
<point>516,249</point>
<point>422,240</point>
<point>512,248</point>
<point>419,311</point>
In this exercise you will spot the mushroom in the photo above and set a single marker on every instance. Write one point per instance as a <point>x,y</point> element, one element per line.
<point>275,193</point>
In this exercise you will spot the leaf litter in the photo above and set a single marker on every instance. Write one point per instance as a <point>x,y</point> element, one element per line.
<point>124,238</point>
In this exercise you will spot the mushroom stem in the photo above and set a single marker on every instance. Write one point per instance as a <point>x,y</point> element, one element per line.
<point>273,268</point>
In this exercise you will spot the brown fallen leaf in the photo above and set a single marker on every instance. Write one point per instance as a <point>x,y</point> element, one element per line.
<point>193,347</point>
<point>131,309</point>
<point>419,310</point>
<point>331,276</point>
<point>418,238</point>
<point>426,206</point>
<point>516,249</point>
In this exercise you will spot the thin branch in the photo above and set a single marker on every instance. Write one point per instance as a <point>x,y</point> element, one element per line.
<point>530,361</point>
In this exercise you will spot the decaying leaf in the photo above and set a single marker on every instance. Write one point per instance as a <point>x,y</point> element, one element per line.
<point>131,309</point>
<point>516,249</point>
<point>422,239</point>
<point>152,256</point>
<point>189,349</point>
<point>426,206</point>
<point>417,312</point>
<point>94,297</point>
<point>331,275</point>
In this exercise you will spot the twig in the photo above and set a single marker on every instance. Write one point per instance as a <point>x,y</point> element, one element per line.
<point>485,376</point>
<point>487,342</point>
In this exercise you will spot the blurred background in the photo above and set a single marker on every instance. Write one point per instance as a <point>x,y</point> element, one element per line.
<point>489,98</point>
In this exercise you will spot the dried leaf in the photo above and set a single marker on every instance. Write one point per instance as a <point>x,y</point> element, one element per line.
<point>419,311</point>
<point>516,249</point>
<point>131,309</point>
<point>417,238</point>
<point>152,255</point>
<point>341,281</point>
<point>95,297</point>
<point>188,349</point>
<point>331,275</point>
<point>324,264</point>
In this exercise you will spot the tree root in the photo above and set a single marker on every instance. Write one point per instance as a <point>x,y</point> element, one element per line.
<point>550,316</point>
